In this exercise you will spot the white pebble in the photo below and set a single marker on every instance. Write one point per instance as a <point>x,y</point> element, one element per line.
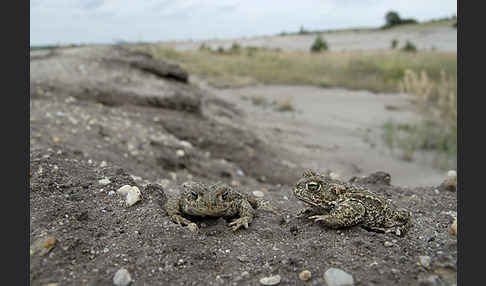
<point>258,194</point>
<point>180,153</point>
<point>104,181</point>
<point>452,174</point>
<point>272,280</point>
<point>103,164</point>
<point>337,277</point>
<point>122,278</point>
<point>388,244</point>
<point>425,261</point>
<point>334,176</point>
<point>132,194</point>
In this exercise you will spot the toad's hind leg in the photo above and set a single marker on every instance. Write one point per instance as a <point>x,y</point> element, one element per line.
<point>347,213</point>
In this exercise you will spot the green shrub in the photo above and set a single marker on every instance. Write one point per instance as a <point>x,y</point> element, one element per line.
<point>203,47</point>
<point>319,45</point>
<point>220,50</point>
<point>409,47</point>
<point>235,48</point>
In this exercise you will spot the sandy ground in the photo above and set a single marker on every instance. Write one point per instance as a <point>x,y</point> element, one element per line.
<point>100,119</point>
<point>425,38</point>
<point>336,129</point>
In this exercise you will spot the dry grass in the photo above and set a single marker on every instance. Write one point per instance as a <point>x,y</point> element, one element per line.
<point>437,102</point>
<point>372,70</point>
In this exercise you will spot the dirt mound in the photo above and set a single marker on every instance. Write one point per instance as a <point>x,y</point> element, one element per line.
<point>95,234</point>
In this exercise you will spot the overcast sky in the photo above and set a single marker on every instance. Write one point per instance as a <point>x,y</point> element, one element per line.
<point>104,21</point>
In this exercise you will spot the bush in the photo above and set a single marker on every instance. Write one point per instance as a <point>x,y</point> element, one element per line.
<point>394,43</point>
<point>220,50</point>
<point>392,18</point>
<point>203,47</point>
<point>319,45</point>
<point>409,47</point>
<point>303,31</point>
<point>235,48</point>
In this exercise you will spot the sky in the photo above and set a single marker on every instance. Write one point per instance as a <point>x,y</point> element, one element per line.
<point>107,21</point>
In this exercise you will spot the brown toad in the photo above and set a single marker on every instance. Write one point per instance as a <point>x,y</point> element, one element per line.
<point>339,204</point>
<point>216,200</point>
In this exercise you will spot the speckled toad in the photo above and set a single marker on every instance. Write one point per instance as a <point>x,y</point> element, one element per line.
<point>338,204</point>
<point>216,200</point>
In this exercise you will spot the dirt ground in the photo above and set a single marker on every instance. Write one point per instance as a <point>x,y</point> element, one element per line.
<point>442,38</point>
<point>103,112</point>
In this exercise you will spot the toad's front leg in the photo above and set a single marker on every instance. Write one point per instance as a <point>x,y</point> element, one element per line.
<point>173,211</point>
<point>245,213</point>
<point>346,213</point>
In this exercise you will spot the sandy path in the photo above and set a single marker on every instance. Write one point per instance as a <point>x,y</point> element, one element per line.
<point>439,38</point>
<point>335,129</point>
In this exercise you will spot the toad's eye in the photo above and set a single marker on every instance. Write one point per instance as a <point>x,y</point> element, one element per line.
<point>313,186</point>
<point>224,196</point>
<point>194,195</point>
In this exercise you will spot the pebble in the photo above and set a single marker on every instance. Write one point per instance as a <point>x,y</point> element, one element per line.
<point>271,280</point>
<point>454,227</point>
<point>104,181</point>
<point>185,144</point>
<point>338,277</point>
<point>103,164</point>
<point>132,194</point>
<point>240,172</point>
<point>334,176</point>
<point>180,153</point>
<point>258,194</point>
<point>43,245</point>
<point>425,261</point>
<point>388,244</point>
<point>450,182</point>
<point>122,278</point>
<point>305,275</point>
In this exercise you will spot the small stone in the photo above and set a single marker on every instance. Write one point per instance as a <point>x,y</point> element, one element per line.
<point>104,181</point>
<point>43,245</point>
<point>186,144</point>
<point>111,193</point>
<point>56,139</point>
<point>132,194</point>
<point>271,280</point>
<point>122,278</point>
<point>338,277</point>
<point>180,153</point>
<point>450,182</point>
<point>240,172</point>
<point>305,275</point>
<point>258,194</point>
<point>388,244</point>
<point>334,176</point>
<point>52,284</point>
<point>454,227</point>
<point>425,261</point>
<point>103,164</point>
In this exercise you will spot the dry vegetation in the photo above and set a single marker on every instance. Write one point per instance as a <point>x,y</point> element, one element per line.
<point>430,75</point>
<point>437,102</point>
<point>372,70</point>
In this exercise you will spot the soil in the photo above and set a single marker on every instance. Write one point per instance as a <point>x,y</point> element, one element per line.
<point>98,112</point>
